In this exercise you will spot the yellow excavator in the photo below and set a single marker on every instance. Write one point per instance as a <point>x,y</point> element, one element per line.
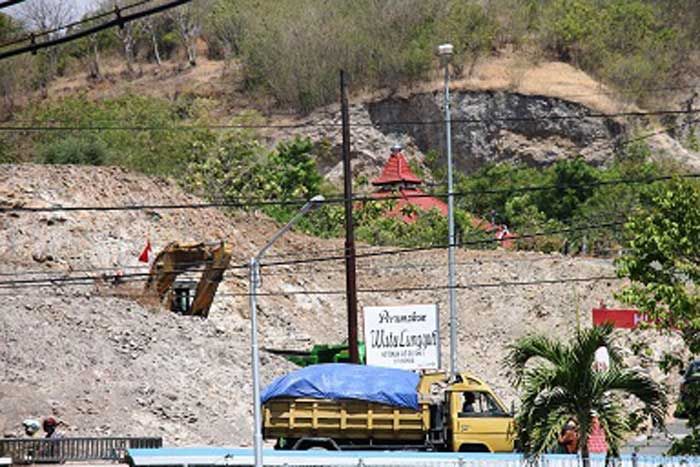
<point>172,278</point>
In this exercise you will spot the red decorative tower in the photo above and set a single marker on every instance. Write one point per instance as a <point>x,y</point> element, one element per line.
<point>397,179</point>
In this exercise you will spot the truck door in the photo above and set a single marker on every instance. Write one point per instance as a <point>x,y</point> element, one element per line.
<point>479,423</point>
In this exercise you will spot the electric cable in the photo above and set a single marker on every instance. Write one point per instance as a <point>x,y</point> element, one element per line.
<point>430,288</point>
<point>440,246</point>
<point>35,35</point>
<point>119,21</point>
<point>256,202</point>
<point>8,3</point>
<point>63,279</point>
<point>253,126</point>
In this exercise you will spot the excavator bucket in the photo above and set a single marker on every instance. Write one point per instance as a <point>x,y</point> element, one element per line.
<point>177,259</point>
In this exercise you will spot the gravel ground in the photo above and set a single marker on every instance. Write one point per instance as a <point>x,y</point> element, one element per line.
<point>107,363</point>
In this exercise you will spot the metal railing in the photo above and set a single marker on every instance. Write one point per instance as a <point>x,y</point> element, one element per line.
<point>30,451</point>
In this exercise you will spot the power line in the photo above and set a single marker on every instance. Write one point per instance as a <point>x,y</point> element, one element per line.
<point>442,246</point>
<point>8,3</point>
<point>483,285</point>
<point>63,279</point>
<point>256,202</point>
<point>613,92</point>
<point>119,21</point>
<point>415,266</point>
<point>193,267</point>
<point>32,37</point>
<point>433,287</point>
<point>233,126</point>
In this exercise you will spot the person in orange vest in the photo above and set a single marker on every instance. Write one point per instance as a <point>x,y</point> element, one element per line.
<point>50,426</point>
<point>568,438</point>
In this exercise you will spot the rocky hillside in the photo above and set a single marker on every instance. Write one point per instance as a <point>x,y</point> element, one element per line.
<point>489,126</point>
<point>505,111</point>
<point>103,362</point>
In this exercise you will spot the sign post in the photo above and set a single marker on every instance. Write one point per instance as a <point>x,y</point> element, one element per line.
<point>406,337</point>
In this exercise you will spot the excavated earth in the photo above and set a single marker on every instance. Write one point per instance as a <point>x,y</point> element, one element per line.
<point>107,361</point>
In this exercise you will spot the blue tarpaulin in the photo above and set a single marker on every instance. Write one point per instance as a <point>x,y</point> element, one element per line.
<point>345,381</point>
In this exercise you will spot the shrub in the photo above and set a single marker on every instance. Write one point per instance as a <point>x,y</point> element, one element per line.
<point>74,150</point>
<point>160,148</point>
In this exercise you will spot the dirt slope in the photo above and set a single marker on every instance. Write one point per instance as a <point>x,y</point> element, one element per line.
<point>107,365</point>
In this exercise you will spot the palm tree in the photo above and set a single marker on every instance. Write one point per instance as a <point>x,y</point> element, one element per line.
<point>558,383</point>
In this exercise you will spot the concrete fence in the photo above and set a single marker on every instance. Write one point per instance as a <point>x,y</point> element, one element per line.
<point>200,457</point>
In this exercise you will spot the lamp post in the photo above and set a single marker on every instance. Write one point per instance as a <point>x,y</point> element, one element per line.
<point>254,280</point>
<point>445,51</point>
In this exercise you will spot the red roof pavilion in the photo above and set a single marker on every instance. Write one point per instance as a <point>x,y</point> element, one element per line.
<point>397,171</point>
<point>398,180</point>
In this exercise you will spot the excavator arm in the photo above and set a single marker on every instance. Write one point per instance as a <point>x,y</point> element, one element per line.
<point>175,259</point>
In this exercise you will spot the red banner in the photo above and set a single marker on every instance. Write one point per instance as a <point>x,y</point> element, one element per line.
<point>627,319</point>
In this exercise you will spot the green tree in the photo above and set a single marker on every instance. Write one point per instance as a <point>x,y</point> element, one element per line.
<point>238,167</point>
<point>690,444</point>
<point>469,27</point>
<point>573,181</point>
<point>663,260</point>
<point>558,383</point>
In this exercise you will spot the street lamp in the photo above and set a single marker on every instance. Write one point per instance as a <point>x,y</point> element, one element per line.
<point>254,280</point>
<point>446,51</point>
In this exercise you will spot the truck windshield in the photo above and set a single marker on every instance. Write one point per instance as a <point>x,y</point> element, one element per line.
<point>479,404</point>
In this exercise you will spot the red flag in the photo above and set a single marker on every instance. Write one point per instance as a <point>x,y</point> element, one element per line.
<point>145,255</point>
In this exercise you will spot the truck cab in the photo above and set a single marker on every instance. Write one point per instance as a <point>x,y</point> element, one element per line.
<point>474,418</point>
<point>479,422</point>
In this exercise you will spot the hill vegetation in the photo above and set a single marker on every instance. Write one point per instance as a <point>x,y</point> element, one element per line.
<point>291,50</point>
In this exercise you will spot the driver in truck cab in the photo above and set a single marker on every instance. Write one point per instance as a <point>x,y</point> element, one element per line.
<point>468,405</point>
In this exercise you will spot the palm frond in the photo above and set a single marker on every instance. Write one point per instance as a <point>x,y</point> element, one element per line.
<point>528,348</point>
<point>553,408</point>
<point>639,385</point>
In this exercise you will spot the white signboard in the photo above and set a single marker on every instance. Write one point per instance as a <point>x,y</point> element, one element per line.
<point>402,336</point>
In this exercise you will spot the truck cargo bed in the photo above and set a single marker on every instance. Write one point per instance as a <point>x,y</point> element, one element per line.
<point>343,419</point>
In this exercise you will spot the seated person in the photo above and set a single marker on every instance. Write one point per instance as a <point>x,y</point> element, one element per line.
<point>468,405</point>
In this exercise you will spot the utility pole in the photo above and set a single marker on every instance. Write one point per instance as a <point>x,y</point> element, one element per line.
<point>350,280</point>
<point>445,51</point>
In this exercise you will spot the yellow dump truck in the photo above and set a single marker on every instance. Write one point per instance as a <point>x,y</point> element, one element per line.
<point>464,416</point>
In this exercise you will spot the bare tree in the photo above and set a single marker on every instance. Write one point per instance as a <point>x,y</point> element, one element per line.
<point>126,35</point>
<point>149,24</point>
<point>188,19</point>
<point>93,58</point>
<point>42,16</point>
